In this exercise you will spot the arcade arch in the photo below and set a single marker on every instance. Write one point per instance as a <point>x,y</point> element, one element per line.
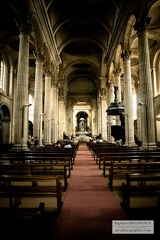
<point>82,116</point>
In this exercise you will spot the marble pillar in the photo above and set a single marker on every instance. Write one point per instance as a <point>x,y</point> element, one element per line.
<point>110,119</point>
<point>146,89</point>
<point>103,100</point>
<point>21,99</point>
<point>128,100</point>
<point>62,112</point>
<point>47,108</point>
<point>54,111</point>
<point>38,98</point>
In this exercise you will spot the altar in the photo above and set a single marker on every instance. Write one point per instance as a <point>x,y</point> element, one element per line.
<point>82,133</point>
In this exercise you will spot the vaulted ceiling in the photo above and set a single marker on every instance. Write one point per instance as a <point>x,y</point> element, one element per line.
<point>83,30</point>
<point>86,33</point>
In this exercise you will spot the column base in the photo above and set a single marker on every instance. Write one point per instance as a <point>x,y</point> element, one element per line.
<point>19,148</point>
<point>40,146</point>
<point>131,144</point>
<point>150,146</point>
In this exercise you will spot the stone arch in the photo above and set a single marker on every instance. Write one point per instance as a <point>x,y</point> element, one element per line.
<point>5,122</point>
<point>8,67</point>
<point>110,72</point>
<point>89,61</point>
<point>118,61</point>
<point>129,33</point>
<point>157,118</point>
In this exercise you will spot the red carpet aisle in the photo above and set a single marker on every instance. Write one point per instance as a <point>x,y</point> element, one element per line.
<point>89,206</point>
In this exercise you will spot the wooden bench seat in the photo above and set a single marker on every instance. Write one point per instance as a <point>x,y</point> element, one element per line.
<point>119,157</point>
<point>29,223</point>
<point>39,159</point>
<point>36,169</point>
<point>129,189</point>
<point>19,213</point>
<point>53,152</point>
<point>120,169</point>
<point>56,154</point>
<point>105,148</point>
<point>15,186</point>
<point>114,150</point>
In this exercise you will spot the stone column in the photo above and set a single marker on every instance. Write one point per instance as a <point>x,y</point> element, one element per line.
<point>21,101</point>
<point>138,114</point>
<point>99,122</point>
<point>94,121</point>
<point>110,120</point>
<point>69,120</point>
<point>54,110</point>
<point>128,100</point>
<point>13,107</point>
<point>103,99</point>
<point>47,108</point>
<point>11,82</point>
<point>57,115</point>
<point>38,98</point>
<point>117,82</point>
<point>155,85</point>
<point>146,90</point>
<point>62,112</point>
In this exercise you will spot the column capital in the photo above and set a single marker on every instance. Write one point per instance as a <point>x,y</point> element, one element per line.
<point>55,85</point>
<point>48,73</point>
<point>110,83</point>
<point>25,28</point>
<point>61,92</point>
<point>117,72</point>
<point>125,55</point>
<point>142,24</point>
<point>38,56</point>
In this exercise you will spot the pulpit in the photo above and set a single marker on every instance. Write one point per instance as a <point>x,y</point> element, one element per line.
<point>118,132</point>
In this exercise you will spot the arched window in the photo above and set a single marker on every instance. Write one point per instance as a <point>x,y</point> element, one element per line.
<point>2,70</point>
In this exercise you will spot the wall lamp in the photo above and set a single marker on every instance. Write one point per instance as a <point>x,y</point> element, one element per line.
<point>141,104</point>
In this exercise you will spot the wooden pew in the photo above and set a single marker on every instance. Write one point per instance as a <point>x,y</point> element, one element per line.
<point>117,154</point>
<point>101,150</point>
<point>127,156</point>
<point>15,186</point>
<point>27,221</point>
<point>91,145</point>
<point>36,169</point>
<point>53,151</point>
<point>129,189</point>
<point>63,159</point>
<point>48,151</point>
<point>106,147</point>
<point>119,169</point>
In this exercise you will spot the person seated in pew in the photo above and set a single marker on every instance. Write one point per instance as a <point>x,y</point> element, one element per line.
<point>57,145</point>
<point>68,145</point>
<point>119,142</point>
<point>36,142</point>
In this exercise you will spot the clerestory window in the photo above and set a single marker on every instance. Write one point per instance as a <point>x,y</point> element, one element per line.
<point>2,65</point>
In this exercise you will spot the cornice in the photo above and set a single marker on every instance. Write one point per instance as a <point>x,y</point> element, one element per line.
<point>42,15</point>
<point>124,12</point>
